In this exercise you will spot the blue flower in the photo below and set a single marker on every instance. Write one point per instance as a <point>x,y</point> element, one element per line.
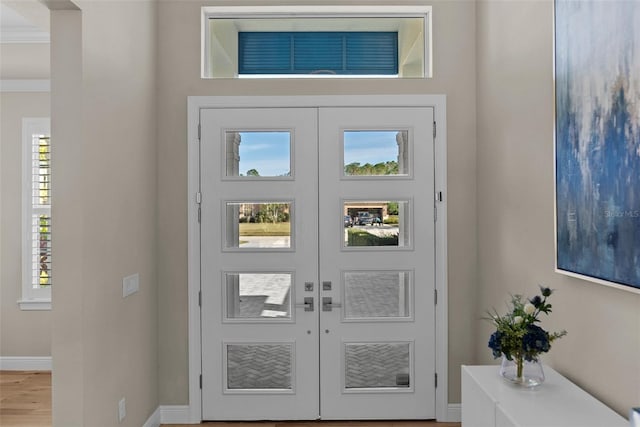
<point>536,301</point>
<point>545,291</point>
<point>494,344</point>
<point>535,341</point>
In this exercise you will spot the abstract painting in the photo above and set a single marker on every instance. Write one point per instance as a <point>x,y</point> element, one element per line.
<point>597,86</point>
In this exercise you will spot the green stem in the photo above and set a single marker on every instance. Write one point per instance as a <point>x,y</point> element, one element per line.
<point>520,365</point>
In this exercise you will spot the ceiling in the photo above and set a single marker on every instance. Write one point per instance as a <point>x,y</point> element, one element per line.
<point>23,21</point>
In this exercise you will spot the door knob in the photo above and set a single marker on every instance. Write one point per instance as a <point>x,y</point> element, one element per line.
<point>328,304</point>
<point>307,304</point>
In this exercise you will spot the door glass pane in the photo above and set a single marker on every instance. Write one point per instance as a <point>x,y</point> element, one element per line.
<point>376,294</point>
<point>263,225</point>
<point>376,223</point>
<point>375,153</point>
<point>377,365</point>
<point>256,154</point>
<point>259,366</point>
<point>258,295</point>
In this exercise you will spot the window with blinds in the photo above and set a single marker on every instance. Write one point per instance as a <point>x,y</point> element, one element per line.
<point>37,265</point>
<point>339,53</point>
<point>41,272</point>
<point>304,41</point>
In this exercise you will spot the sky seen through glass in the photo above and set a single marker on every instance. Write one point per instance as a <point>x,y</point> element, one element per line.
<point>269,152</point>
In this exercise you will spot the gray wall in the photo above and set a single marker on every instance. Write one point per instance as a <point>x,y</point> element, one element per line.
<point>179,77</point>
<point>104,127</point>
<point>24,60</point>
<point>516,209</point>
<point>22,333</point>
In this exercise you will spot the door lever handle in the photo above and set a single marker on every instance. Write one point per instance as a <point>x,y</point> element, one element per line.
<point>328,304</point>
<point>307,304</point>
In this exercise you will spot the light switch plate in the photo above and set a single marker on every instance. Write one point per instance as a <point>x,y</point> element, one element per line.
<point>130,285</point>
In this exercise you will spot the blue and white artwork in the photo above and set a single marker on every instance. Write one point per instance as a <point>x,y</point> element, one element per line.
<point>598,139</point>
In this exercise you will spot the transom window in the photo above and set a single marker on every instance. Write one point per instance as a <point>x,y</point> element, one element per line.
<point>320,42</point>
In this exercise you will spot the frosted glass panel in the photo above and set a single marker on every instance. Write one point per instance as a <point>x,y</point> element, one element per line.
<point>258,295</point>
<point>256,154</point>
<point>258,225</point>
<point>259,366</point>
<point>377,365</point>
<point>376,294</point>
<point>376,223</point>
<point>375,153</point>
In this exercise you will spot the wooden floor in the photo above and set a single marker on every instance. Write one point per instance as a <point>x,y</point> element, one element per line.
<point>25,400</point>
<point>323,424</point>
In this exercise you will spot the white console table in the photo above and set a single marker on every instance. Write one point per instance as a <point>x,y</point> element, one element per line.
<point>489,401</point>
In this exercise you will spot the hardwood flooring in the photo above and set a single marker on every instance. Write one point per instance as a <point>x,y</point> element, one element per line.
<point>392,423</point>
<point>25,401</point>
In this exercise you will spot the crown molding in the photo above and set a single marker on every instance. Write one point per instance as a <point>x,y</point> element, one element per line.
<point>24,35</point>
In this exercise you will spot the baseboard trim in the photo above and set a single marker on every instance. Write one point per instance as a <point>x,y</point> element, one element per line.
<point>9,363</point>
<point>179,414</point>
<point>175,414</point>
<point>154,419</point>
<point>454,413</point>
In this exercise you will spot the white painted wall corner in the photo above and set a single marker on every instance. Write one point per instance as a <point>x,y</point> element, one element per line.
<point>25,363</point>
<point>454,413</point>
<point>175,414</point>
<point>154,419</point>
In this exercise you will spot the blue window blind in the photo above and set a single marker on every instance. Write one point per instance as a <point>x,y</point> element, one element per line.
<point>318,52</point>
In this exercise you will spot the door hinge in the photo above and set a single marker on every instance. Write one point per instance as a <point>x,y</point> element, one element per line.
<point>434,129</point>
<point>199,298</point>
<point>435,297</point>
<point>200,381</point>
<point>199,201</point>
<point>435,375</point>
<point>439,197</point>
<point>199,132</point>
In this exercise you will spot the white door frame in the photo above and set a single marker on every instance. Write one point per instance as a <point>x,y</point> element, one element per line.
<point>196,103</point>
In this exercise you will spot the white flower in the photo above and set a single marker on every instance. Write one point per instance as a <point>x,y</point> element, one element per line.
<point>529,308</point>
<point>517,319</point>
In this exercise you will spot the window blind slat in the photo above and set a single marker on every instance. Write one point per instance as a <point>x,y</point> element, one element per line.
<point>270,52</point>
<point>317,51</point>
<point>309,52</point>
<point>41,211</point>
<point>378,54</point>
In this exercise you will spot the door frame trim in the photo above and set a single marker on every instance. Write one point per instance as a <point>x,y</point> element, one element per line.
<point>196,103</point>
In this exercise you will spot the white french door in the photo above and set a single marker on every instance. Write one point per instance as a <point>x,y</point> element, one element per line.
<point>377,350</point>
<point>317,263</point>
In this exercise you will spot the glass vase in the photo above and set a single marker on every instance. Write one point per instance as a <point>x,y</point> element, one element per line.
<point>521,372</point>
